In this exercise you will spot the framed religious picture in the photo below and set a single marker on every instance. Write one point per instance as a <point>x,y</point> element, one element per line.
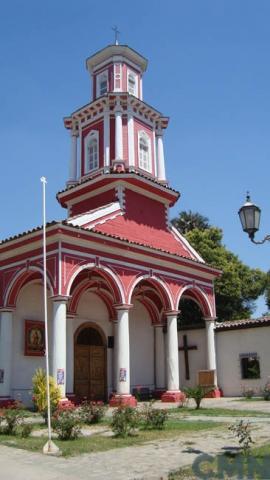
<point>34,344</point>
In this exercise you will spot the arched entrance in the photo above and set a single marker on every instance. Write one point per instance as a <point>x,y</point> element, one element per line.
<point>90,369</point>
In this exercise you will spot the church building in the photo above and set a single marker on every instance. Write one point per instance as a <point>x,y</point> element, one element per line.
<point>116,268</point>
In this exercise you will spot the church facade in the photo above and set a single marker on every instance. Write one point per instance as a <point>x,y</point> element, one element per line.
<point>116,268</point>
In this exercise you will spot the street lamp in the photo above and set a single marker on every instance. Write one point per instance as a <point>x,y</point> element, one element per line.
<point>250,216</point>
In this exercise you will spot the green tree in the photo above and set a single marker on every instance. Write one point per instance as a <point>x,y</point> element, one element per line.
<point>187,221</point>
<point>239,285</point>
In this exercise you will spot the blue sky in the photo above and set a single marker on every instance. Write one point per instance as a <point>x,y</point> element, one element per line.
<point>208,71</point>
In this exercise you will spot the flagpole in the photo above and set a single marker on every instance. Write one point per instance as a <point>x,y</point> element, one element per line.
<point>49,447</point>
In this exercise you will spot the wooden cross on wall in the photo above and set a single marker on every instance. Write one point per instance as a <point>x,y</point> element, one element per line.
<point>185,349</point>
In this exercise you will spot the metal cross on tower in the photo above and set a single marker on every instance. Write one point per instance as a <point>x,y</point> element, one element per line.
<point>116,34</point>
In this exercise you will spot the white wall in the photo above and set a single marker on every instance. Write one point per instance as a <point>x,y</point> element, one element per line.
<point>29,307</point>
<point>197,358</point>
<point>141,348</point>
<point>231,344</point>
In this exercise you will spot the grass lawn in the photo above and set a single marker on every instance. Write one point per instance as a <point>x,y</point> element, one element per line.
<point>217,412</point>
<point>255,466</point>
<point>97,443</point>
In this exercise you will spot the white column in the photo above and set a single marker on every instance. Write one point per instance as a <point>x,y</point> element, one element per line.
<point>122,352</point>
<point>159,357</point>
<point>6,350</point>
<point>118,133</point>
<point>210,344</point>
<point>73,158</point>
<point>115,356</point>
<point>131,146</point>
<point>160,157</point>
<point>106,139</point>
<point>70,354</point>
<point>172,353</point>
<point>59,343</point>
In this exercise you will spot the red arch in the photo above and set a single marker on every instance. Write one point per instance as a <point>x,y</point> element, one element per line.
<point>20,280</point>
<point>93,287</point>
<point>200,297</point>
<point>159,285</point>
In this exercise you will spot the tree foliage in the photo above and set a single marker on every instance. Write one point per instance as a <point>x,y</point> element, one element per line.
<point>239,285</point>
<point>187,221</point>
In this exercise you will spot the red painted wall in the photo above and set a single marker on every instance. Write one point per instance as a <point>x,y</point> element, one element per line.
<point>93,202</point>
<point>144,210</point>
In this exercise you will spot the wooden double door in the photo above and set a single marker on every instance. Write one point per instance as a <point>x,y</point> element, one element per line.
<point>90,371</point>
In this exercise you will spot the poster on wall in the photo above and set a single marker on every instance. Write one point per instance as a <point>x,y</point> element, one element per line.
<point>34,344</point>
<point>123,374</point>
<point>2,375</point>
<point>60,376</point>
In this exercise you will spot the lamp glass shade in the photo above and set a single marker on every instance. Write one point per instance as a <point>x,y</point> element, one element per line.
<point>250,216</point>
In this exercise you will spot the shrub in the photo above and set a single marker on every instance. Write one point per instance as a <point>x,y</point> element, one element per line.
<point>248,392</point>
<point>242,431</point>
<point>153,418</point>
<point>125,420</point>
<point>266,391</point>
<point>197,393</point>
<point>25,429</point>
<point>40,392</point>
<point>11,417</point>
<point>92,412</point>
<point>66,423</point>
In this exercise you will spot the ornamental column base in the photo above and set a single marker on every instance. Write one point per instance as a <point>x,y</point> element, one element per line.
<point>215,393</point>
<point>123,400</point>
<point>173,396</point>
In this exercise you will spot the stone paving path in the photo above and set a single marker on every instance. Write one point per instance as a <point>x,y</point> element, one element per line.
<point>152,461</point>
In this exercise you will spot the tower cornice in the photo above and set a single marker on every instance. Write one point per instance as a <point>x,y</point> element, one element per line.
<point>74,193</point>
<point>116,50</point>
<point>128,103</point>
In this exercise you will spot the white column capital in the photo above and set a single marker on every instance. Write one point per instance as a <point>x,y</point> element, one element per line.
<point>123,306</point>
<point>60,298</point>
<point>210,319</point>
<point>159,132</point>
<point>118,107</point>
<point>7,309</point>
<point>172,313</point>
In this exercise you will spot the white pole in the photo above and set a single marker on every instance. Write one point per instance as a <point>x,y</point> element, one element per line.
<point>49,447</point>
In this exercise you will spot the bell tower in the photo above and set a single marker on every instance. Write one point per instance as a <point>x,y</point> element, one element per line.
<point>117,131</point>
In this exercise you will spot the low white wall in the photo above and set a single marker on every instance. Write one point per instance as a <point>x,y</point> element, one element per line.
<point>197,358</point>
<point>230,345</point>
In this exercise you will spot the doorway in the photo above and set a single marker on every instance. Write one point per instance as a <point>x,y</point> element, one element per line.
<point>90,363</point>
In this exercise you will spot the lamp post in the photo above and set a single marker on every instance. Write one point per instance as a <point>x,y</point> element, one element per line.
<point>250,215</point>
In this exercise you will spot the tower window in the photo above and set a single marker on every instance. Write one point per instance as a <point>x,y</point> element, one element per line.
<point>144,152</point>
<point>102,83</point>
<point>131,84</point>
<point>91,151</point>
